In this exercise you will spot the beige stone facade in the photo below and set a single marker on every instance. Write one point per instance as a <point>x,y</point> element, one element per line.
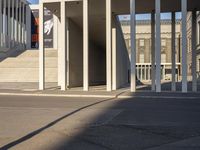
<point>143,47</point>
<point>189,44</point>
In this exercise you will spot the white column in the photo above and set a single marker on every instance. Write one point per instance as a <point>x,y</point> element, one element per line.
<point>184,45</point>
<point>28,27</point>
<point>20,23</point>
<point>16,21</point>
<point>153,86</point>
<point>173,52</point>
<point>145,72</point>
<point>85,47</point>
<point>12,23</point>
<point>149,73</point>
<point>23,25</point>
<point>63,46</point>
<point>108,46</point>
<point>138,68</point>
<point>194,42</point>
<point>1,23</point>
<point>41,48</point>
<point>59,51</point>
<point>114,58</point>
<point>55,32</point>
<point>9,25</point>
<point>67,49</point>
<point>4,23</point>
<point>164,72</point>
<point>158,48</point>
<point>133,47</point>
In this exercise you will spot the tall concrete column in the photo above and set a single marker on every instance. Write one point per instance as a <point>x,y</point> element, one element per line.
<point>133,46</point>
<point>13,27</point>
<point>153,69</point>
<point>1,23</point>
<point>114,58</point>
<point>20,24</point>
<point>158,48</point>
<point>41,48</point>
<point>184,45</point>
<point>85,47</point>
<point>67,49</point>
<point>194,43</point>
<point>173,53</point>
<point>63,45</point>
<point>108,45</point>
<point>16,21</point>
<point>59,50</point>
<point>23,25</point>
<point>28,27</point>
<point>9,25</point>
<point>4,24</point>
<point>55,31</point>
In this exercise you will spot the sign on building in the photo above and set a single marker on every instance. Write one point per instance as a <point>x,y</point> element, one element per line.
<point>48,29</point>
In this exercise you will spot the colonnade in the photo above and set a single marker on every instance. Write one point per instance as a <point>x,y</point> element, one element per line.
<point>156,47</point>
<point>15,16</point>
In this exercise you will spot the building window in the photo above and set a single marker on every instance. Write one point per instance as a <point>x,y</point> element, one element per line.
<point>163,42</point>
<point>141,42</point>
<point>199,65</point>
<point>141,58</point>
<point>163,58</point>
<point>199,32</point>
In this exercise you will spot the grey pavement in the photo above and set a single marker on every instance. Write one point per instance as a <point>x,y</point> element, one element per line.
<point>57,123</point>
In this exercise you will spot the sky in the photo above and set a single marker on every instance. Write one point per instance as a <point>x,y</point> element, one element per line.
<point>138,17</point>
<point>33,1</point>
<point>148,16</point>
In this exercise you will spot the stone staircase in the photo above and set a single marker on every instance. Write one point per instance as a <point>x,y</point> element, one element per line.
<point>24,66</point>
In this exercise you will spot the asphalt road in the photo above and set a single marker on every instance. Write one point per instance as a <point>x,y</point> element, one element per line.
<point>49,123</point>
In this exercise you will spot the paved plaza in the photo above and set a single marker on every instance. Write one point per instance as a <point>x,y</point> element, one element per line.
<point>139,123</point>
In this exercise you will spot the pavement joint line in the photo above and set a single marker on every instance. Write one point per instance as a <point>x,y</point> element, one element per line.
<point>165,97</point>
<point>57,95</point>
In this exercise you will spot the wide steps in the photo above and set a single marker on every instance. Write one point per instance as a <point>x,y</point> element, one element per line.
<point>28,62</point>
<point>34,53</point>
<point>24,66</point>
<point>26,75</point>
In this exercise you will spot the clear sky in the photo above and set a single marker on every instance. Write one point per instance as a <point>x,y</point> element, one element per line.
<point>138,17</point>
<point>148,16</point>
<point>33,1</point>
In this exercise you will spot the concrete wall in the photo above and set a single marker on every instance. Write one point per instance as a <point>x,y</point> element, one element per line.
<point>97,59</point>
<point>123,63</point>
<point>97,65</point>
<point>75,55</point>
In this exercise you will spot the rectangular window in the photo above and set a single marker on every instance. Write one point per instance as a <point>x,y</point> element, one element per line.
<point>163,58</point>
<point>141,42</point>
<point>163,42</point>
<point>199,64</point>
<point>199,32</point>
<point>141,58</point>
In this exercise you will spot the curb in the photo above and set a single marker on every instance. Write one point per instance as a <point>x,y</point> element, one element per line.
<point>58,95</point>
<point>157,97</point>
<point>93,96</point>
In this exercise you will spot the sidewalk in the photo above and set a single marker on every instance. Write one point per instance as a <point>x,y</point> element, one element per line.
<point>122,94</point>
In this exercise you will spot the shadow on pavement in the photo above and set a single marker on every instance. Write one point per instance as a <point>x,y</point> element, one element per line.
<point>142,123</point>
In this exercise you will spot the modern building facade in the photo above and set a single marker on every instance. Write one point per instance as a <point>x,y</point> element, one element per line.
<point>14,24</point>
<point>90,43</point>
<point>96,22</point>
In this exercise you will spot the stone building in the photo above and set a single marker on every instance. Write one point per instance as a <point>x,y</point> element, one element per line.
<point>143,48</point>
<point>189,44</point>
